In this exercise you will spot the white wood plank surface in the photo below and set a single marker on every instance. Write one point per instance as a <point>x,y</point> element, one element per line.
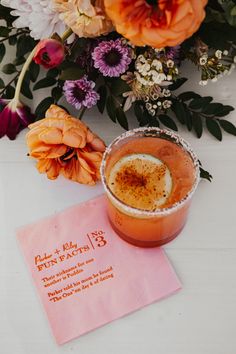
<point>200,319</point>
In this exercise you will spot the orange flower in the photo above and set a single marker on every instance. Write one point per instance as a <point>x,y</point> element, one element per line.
<point>158,23</point>
<point>64,145</point>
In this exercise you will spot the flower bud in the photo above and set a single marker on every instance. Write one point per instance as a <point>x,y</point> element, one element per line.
<point>49,53</point>
<point>14,117</point>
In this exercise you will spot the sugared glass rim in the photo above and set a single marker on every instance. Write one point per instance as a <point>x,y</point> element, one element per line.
<point>177,140</point>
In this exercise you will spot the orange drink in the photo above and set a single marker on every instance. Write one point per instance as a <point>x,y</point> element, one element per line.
<point>149,176</point>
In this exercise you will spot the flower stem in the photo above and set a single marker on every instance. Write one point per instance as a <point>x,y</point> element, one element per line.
<point>22,75</point>
<point>81,113</point>
<point>9,83</point>
<point>12,36</point>
<point>66,34</point>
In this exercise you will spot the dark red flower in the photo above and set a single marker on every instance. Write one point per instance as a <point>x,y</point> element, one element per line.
<point>49,53</point>
<point>14,117</point>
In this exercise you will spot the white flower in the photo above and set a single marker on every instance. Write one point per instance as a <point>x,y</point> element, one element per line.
<point>157,64</point>
<point>170,63</point>
<point>203,59</point>
<point>152,112</point>
<point>218,54</point>
<point>225,52</point>
<point>158,78</point>
<point>166,93</point>
<point>215,79</point>
<point>148,106</point>
<point>168,77</point>
<point>154,96</point>
<point>166,104</point>
<point>203,82</point>
<point>38,15</point>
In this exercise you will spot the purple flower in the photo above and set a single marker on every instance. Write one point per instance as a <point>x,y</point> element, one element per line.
<point>112,58</point>
<point>14,117</point>
<point>80,93</point>
<point>173,53</point>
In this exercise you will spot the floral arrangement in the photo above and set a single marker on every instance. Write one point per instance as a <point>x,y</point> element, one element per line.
<point>116,55</point>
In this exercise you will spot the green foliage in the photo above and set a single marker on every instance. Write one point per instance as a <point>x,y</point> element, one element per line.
<point>42,107</point>
<point>45,82</point>
<point>102,90</point>
<point>194,110</point>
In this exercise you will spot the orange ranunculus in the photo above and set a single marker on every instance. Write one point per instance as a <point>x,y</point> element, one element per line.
<point>65,145</point>
<point>158,23</point>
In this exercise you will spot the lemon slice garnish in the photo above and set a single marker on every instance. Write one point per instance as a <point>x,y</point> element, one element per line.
<point>141,181</point>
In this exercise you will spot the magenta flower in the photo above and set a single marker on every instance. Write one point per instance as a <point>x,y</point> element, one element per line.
<point>14,117</point>
<point>49,53</point>
<point>81,93</point>
<point>112,58</point>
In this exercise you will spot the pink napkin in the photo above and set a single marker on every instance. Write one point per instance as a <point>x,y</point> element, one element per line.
<point>86,275</point>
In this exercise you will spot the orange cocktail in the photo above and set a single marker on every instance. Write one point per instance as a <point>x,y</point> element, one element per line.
<point>149,176</point>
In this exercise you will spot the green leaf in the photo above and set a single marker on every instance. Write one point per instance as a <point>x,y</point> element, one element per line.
<point>4,31</point>
<point>178,83</point>
<point>54,72</point>
<point>12,40</point>
<point>46,82</point>
<point>111,108</point>
<point>225,111</point>
<point>34,70</point>
<point>103,96</point>
<point>225,34</point>
<point>138,112</point>
<point>212,109</point>
<point>227,126</point>
<point>9,69</point>
<point>153,122</point>
<point>5,13</point>
<point>121,118</point>
<point>167,121</point>
<point>188,95</point>
<point>9,93</point>
<point>189,119</point>
<point>2,85</point>
<point>19,61</point>
<point>119,86</point>
<point>179,110</point>
<point>25,89</point>
<point>25,44</point>
<point>2,51</point>
<point>197,124</point>
<point>72,73</point>
<point>145,119</point>
<point>43,106</point>
<point>200,103</point>
<point>205,174</point>
<point>56,93</point>
<point>214,128</point>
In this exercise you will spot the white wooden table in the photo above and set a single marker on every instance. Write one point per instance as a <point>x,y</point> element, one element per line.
<point>200,319</point>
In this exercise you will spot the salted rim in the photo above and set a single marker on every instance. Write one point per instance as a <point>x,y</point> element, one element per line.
<point>139,212</point>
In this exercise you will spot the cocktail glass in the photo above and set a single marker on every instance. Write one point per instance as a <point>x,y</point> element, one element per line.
<point>151,228</point>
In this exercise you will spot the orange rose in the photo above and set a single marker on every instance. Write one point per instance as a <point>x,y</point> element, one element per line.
<point>156,23</point>
<point>64,145</point>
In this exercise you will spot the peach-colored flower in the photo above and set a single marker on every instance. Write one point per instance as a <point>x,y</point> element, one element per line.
<point>158,23</point>
<point>86,18</point>
<point>65,145</point>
